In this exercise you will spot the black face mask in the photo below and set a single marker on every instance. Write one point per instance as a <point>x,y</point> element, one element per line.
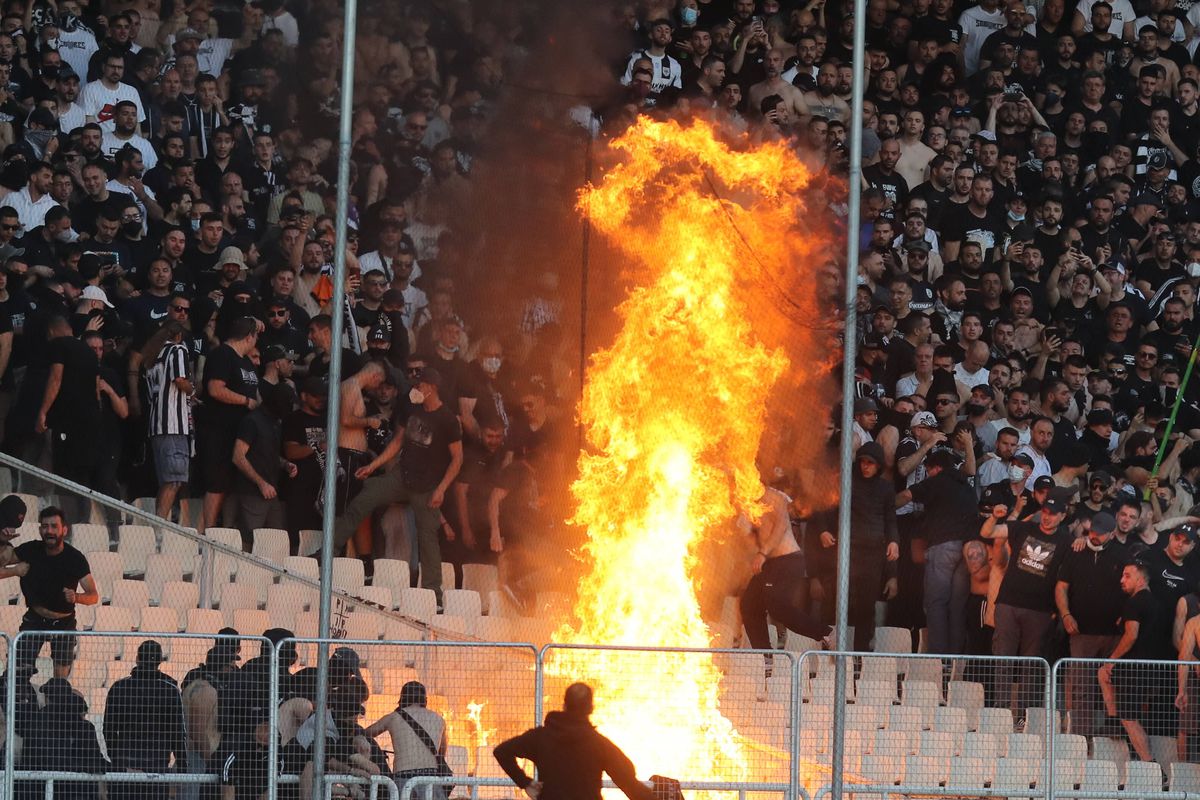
<point>975,409</point>
<point>131,228</point>
<point>51,71</point>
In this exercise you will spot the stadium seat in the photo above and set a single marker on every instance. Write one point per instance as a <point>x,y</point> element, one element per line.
<point>905,718</point>
<point>1070,746</point>
<point>160,570</point>
<point>33,506</point>
<point>894,640</point>
<point>239,596</point>
<point>1142,777</point>
<point>1016,773</point>
<point>310,542</point>
<point>924,669</point>
<point>10,618</point>
<point>250,621</point>
<point>879,668</point>
<point>822,688</point>
<point>500,606</point>
<point>879,693</point>
<point>1036,718</point>
<point>1067,773</point>
<point>162,619</point>
<point>376,595</point>
<point>183,548</point>
<point>303,566</point>
<point>893,743</point>
<point>87,674</point>
<point>204,620</point>
<point>115,671</point>
<point>119,620</point>
<point>462,603</point>
<point>364,624</point>
<point>284,601</point>
<point>180,596</point>
<point>493,629</point>
<point>106,571</point>
<point>937,743</point>
<point>922,694</point>
<point>982,745</point>
<point>1024,746</point>
<point>456,758</point>
<point>420,604</point>
<point>271,544</point>
<point>87,538</point>
<point>926,770</point>
<point>257,578</point>
<point>134,544</point>
<point>1100,776</point>
<point>10,589</point>
<point>881,770</point>
<point>969,773</point>
<point>481,578</point>
<point>1106,749</point>
<point>132,595</point>
<point>1164,751</point>
<point>965,694</point>
<point>864,717</point>
<point>392,575</point>
<point>348,574</point>
<point>951,720</point>
<point>995,720</point>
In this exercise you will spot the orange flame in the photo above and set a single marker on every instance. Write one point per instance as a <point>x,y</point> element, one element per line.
<point>720,337</point>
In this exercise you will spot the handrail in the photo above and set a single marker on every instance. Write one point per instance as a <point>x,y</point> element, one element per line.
<point>204,542</point>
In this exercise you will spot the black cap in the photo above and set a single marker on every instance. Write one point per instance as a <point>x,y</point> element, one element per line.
<point>1188,530</point>
<point>431,376</point>
<point>1025,290</point>
<point>991,496</point>
<point>1044,482</point>
<point>1056,503</point>
<point>314,385</point>
<point>1146,199</point>
<point>1100,416</point>
<point>1103,523</point>
<point>872,341</point>
<point>274,353</point>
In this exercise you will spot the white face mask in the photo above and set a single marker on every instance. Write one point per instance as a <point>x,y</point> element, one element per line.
<point>416,396</point>
<point>1193,270</point>
<point>491,365</point>
<point>1015,473</point>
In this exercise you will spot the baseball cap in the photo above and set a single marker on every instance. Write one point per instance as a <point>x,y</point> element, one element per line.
<point>865,405</point>
<point>1023,458</point>
<point>919,244</point>
<point>189,33</point>
<point>1158,160</point>
<point>1055,504</point>
<point>884,307</point>
<point>1146,199</point>
<point>1188,530</point>
<point>346,659</point>
<point>1100,476</point>
<point>1025,290</point>
<point>96,293</point>
<point>12,512</point>
<point>986,135</point>
<point>1044,482</point>
<point>923,419</point>
<point>872,342</point>
<point>150,653</point>
<point>1100,416</point>
<point>274,353</point>
<point>991,496</point>
<point>1103,523</point>
<point>985,388</point>
<point>314,385</point>
<point>431,376</point>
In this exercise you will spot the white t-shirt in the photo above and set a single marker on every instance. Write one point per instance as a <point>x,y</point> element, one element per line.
<point>284,22</point>
<point>375,261</point>
<point>98,101</point>
<point>1122,12</point>
<point>1176,35</point>
<point>211,56</point>
<point>978,378</point>
<point>110,144</point>
<point>72,119</point>
<point>978,25</point>
<point>76,48</point>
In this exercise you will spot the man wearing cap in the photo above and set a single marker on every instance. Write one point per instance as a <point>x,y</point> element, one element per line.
<point>144,725</point>
<point>1025,602</point>
<point>1160,265</point>
<point>430,456</point>
<point>1172,573</point>
<point>1089,603</point>
<point>997,466</point>
<point>1096,438</point>
<point>866,418</point>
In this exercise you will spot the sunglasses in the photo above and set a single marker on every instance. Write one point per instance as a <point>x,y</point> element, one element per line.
<point>181,309</point>
<point>942,401</point>
<point>1147,355</point>
<point>11,227</point>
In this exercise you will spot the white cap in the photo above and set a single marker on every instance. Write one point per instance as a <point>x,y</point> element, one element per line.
<point>96,293</point>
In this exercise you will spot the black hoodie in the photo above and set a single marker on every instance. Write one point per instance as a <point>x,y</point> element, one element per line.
<point>571,757</point>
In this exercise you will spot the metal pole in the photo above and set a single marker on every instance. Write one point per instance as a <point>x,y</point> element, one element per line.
<point>10,718</point>
<point>333,417</point>
<point>849,351</point>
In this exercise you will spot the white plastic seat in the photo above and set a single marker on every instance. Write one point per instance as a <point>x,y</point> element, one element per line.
<point>134,544</point>
<point>106,571</point>
<point>364,624</point>
<point>1100,776</point>
<point>481,578</point>
<point>238,596</point>
<point>1070,746</point>
<point>271,544</point>
<point>906,718</point>
<point>1184,777</point>
<point>878,668</point>
<point>893,640</point>
<point>462,602</point>
<point>348,575</point>
<point>493,629</point>
<point>1036,719</point>
<point>1106,749</point>
<point>250,621</point>
<point>1016,773</point>
<point>420,604</point>
<point>499,606</point>
<point>969,773</point>
<point>132,595</point>
<point>924,669</point>
<point>926,770</point>
<point>224,566</point>
<point>303,566</point>
<point>376,595</point>
<point>393,575</point>
<point>448,580</point>
<point>882,770</point>
<point>284,601</point>
<point>10,589</point>
<point>878,693</point>
<point>950,720</point>
<point>1143,777</point>
<point>981,745</point>
<point>1164,751</point>
<point>27,532</point>
<point>893,743</point>
<point>1024,746</point>
<point>162,619</point>
<point>161,569</point>
<point>180,596</point>
<point>204,620</point>
<point>863,717</point>
<point>310,542</point>
<point>256,577</point>
<point>1068,773</point>
<point>33,506</point>
<point>118,620</point>
<point>965,694</point>
<point>10,619</point>
<point>183,548</point>
<point>938,743</point>
<point>995,720</point>
<point>86,537</point>
<point>117,670</point>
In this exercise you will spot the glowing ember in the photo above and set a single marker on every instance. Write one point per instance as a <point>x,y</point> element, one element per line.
<point>675,411</point>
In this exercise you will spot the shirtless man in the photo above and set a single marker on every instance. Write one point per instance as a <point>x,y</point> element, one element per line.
<point>779,568</point>
<point>352,451</point>
<point>823,101</point>
<point>793,98</point>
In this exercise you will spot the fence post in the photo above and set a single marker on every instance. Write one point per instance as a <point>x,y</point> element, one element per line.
<point>205,580</point>
<point>273,723</point>
<point>1051,700</point>
<point>794,738</point>
<point>10,717</point>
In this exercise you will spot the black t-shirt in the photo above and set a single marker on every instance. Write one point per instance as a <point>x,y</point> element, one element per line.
<point>959,224</point>
<point>49,575</point>
<point>425,455</point>
<point>480,474</point>
<point>238,373</point>
<point>1150,642</point>
<point>893,186</point>
<point>951,508</point>
<point>260,431</point>
<point>1033,568</point>
<point>520,515</point>
<point>1095,594</point>
<point>306,429</point>
<point>1169,581</point>
<point>77,407</point>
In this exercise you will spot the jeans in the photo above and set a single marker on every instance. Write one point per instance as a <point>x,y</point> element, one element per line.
<point>946,588</point>
<point>772,591</point>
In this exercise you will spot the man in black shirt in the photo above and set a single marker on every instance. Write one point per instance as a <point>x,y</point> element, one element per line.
<point>230,392</point>
<point>482,464</point>
<point>883,175</point>
<point>1124,686</point>
<point>304,445</point>
<point>431,455</point>
<point>1089,607</point>
<point>52,574</point>
<point>1172,574</point>
<point>256,454</point>
<point>1025,603</point>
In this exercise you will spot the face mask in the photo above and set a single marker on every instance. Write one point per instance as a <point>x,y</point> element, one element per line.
<point>445,349</point>
<point>51,44</point>
<point>416,396</point>
<point>196,225</point>
<point>688,16</point>
<point>132,228</point>
<point>974,409</point>
<point>1015,473</point>
<point>1052,98</point>
<point>1016,217</point>
<point>51,71</point>
<point>491,365</point>
<point>1193,270</point>
<point>66,236</point>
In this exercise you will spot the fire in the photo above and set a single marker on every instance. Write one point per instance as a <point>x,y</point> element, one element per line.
<point>717,342</point>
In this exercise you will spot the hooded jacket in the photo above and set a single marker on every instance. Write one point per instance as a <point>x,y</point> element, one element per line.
<point>143,721</point>
<point>571,757</point>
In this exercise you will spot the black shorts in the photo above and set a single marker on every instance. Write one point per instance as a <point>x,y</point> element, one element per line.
<point>216,461</point>
<point>1140,688</point>
<point>62,646</point>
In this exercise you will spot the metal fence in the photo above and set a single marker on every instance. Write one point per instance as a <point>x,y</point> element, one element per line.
<point>140,712</point>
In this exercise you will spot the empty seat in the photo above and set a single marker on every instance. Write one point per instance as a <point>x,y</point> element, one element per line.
<point>1070,746</point>
<point>180,596</point>
<point>864,717</point>
<point>160,620</point>
<point>10,589</point>
<point>161,568</point>
<point>271,544</point>
<point>420,604</point>
<point>134,544</point>
<point>879,693</point>
<point>905,718</point>
<point>938,743</point>
<point>924,669</point>
<point>204,620</point>
<point>1164,751</point>
<point>965,694</point>
<point>1143,777</point>
<point>284,601</point>
<point>86,537</point>
<point>1100,776</point>
<point>132,595</point>
<point>310,542</point>
<point>106,571</point>
<point>995,720</point>
<point>462,603</point>
<point>1106,749</point>
<point>893,640</point>
<point>365,624</point>
<point>238,596</point>
<point>348,575</point>
<point>183,548</point>
<point>303,566</point>
<point>376,595</point>
<point>882,770</point>
<point>950,720</point>
<point>448,578</point>
<point>481,578</point>
<point>969,773</point>
<point>1184,777</point>
<point>1024,746</point>
<point>893,743</point>
<point>1016,773</point>
<point>1036,720</point>
<point>879,668</point>
<point>393,575</point>
<point>256,577</point>
<point>250,621</point>
<point>981,745</point>
<point>926,770</point>
<point>499,605</point>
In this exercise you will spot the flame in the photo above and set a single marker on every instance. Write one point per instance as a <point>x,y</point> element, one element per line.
<point>721,338</point>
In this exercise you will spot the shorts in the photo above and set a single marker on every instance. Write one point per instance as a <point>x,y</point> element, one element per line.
<point>172,456</point>
<point>216,462</point>
<point>62,647</point>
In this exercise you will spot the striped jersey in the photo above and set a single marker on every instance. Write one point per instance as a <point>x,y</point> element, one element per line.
<point>169,409</point>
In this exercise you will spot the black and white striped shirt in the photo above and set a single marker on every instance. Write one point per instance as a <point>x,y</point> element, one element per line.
<point>169,409</point>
